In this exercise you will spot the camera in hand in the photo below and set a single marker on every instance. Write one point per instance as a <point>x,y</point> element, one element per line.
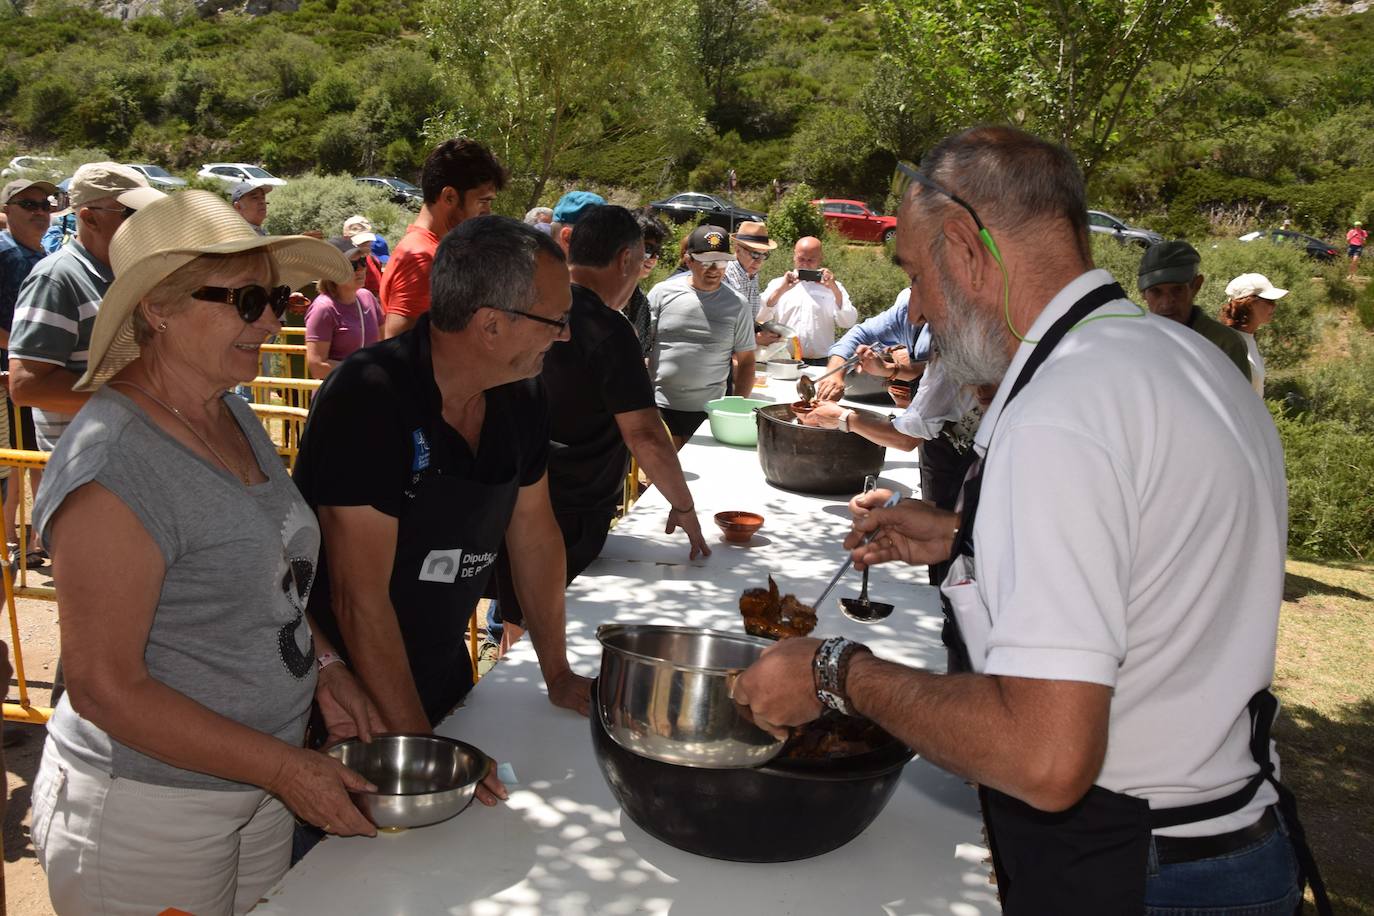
<point>813,275</point>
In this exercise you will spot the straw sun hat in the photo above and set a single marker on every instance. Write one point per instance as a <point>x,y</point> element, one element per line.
<point>170,233</point>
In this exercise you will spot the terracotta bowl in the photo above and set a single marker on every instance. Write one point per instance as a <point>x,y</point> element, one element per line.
<point>801,408</point>
<point>739,527</point>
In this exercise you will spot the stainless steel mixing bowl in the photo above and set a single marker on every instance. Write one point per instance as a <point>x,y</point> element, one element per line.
<point>664,693</point>
<point>420,779</point>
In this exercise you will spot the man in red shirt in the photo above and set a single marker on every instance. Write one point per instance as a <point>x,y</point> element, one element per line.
<point>460,179</point>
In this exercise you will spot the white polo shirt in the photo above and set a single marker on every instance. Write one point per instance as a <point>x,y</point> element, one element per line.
<point>1131,532</point>
<point>810,309</point>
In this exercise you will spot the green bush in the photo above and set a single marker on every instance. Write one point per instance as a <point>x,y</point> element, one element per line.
<point>794,217</point>
<point>1364,307</point>
<point>1330,502</point>
<point>1342,391</point>
<point>322,202</point>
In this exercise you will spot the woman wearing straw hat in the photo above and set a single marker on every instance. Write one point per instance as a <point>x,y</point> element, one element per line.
<point>173,763</point>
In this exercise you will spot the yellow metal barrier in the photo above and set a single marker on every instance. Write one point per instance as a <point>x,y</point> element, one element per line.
<point>284,392</point>
<point>285,349</point>
<point>293,333</point>
<point>284,426</point>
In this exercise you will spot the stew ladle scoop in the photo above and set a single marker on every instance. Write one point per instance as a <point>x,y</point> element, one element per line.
<point>860,608</point>
<point>849,561</point>
<point>807,388</point>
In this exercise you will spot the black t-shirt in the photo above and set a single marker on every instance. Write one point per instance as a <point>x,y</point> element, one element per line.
<point>359,447</point>
<point>590,378</point>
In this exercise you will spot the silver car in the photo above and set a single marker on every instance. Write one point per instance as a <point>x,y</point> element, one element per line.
<point>1099,221</point>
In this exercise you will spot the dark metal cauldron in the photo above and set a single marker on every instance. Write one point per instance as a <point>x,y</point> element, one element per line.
<point>780,812</point>
<point>809,459</point>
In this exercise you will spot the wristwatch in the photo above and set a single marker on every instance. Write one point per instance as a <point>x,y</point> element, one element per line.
<point>844,421</point>
<point>830,672</point>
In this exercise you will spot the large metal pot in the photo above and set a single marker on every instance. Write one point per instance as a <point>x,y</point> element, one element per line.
<point>809,459</point>
<point>664,693</point>
<point>779,812</point>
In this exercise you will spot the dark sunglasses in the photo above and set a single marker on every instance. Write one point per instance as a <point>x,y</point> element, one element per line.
<point>755,255</point>
<point>651,253</point>
<point>249,301</point>
<point>559,323</point>
<point>36,206</point>
<point>359,264</point>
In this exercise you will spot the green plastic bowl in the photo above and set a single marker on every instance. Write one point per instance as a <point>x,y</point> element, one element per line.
<point>732,420</point>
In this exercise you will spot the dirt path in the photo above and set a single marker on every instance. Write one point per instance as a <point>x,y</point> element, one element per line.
<point>26,890</point>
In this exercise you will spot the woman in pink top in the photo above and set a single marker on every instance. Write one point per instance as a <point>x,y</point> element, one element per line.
<point>343,318</point>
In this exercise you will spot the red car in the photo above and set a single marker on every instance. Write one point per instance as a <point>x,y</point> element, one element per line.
<point>853,220</point>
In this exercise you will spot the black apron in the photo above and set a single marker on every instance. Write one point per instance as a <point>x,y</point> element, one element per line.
<point>1093,858</point>
<point>447,537</point>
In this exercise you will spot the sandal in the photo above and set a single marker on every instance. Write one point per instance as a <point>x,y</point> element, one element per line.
<point>36,558</point>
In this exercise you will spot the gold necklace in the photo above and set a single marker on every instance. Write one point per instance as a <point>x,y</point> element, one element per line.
<point>244,476</point>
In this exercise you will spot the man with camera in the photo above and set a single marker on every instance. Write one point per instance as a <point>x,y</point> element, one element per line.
<point>809,300</point>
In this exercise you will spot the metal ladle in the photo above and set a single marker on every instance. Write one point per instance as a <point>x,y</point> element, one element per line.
<point>849,561</point>
<point>807,388</point>
<point>860,608</point>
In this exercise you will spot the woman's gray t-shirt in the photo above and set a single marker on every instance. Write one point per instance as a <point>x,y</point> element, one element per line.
<point>229,630</point>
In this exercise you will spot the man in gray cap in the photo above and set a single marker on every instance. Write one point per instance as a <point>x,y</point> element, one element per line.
<point>58,302</point>
<point>250,199</point>
<point>1169,281</point>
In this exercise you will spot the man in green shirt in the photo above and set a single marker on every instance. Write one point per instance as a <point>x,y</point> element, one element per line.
<point>1169,281</point>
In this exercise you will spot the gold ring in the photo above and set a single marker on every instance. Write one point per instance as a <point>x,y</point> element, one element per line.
<point>325,828</point>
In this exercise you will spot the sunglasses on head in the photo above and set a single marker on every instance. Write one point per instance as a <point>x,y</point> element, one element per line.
<point>907,174</point>
<point>249,301</point>
<point>35,206</point>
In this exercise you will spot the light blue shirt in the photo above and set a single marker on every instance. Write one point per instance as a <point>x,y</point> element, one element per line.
<point>889,329</point>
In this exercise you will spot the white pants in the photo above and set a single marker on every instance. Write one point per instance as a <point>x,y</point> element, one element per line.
<point>116,846</point>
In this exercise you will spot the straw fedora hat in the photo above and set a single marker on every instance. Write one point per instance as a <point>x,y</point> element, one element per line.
<point>170,233</point>
<point>753,235</point>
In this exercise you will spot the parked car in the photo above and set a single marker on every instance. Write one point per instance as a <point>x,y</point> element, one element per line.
<point>400,191</point>
<point>854,220</point>
<point>1314,248</point>
<point>234,172</point>
<point>159,177</point>
<point>703,208</point>
<point>1098,221</point>
<point>33,167</point>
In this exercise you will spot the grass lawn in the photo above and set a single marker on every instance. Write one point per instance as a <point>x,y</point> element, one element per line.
<point>1325,681</point>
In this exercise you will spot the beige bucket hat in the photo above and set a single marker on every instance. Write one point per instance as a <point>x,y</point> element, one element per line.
<point>166,235</point>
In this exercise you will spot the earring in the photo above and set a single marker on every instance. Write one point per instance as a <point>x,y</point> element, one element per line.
<point>162,326</point>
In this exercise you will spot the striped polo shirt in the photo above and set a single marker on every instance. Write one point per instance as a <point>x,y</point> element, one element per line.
<point>53,320</point>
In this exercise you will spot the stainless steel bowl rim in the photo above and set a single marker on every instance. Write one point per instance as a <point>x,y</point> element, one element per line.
<point>443,739</point>
<point>606,630</point>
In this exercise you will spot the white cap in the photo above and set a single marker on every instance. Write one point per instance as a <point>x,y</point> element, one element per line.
<point>1253,285</point>
<point>359,230</point>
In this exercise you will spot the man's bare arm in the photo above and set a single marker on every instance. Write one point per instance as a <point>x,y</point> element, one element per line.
<point>361,542</point>
<point>46,386</point>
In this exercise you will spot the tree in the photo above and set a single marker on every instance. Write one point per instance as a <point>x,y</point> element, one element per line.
<point>1095,75</point>
<point>536,78</point>
<point>727,42</point>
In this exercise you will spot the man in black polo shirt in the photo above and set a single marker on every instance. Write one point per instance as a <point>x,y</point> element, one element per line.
<point>602,402</point>
<point>422,454</point>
